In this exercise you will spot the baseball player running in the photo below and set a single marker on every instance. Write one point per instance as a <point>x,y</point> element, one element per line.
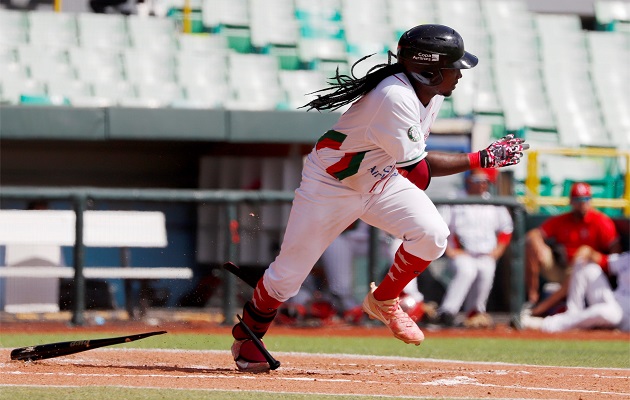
<point>373,165</point>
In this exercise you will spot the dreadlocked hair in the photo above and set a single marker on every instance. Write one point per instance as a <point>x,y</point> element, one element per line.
<point>344,89</point>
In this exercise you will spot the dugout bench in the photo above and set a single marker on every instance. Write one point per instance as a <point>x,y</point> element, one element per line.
<point>33,240</point>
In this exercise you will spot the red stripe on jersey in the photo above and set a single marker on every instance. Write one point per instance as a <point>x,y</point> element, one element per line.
<point>347,166</point>
<point>328,143</point>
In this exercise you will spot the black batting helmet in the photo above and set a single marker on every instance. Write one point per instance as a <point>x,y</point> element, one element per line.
<point>426,49</point>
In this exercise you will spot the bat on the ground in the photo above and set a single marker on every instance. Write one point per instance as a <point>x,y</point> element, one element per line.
<point>273,363</point>
<point>251,277</point>
<point>51,350</point>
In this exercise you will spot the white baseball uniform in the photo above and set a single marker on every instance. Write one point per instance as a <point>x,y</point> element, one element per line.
<point>351,174</point>
<point>474,228</point>
<point>591,302</point>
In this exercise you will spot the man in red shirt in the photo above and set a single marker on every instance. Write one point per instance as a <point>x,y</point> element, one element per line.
<point>583,225</point>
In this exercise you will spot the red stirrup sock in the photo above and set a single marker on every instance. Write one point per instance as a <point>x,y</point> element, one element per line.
<point>256,321</point>
<point>405,268</point>
<point>258,313</point>
<point>262,300</point>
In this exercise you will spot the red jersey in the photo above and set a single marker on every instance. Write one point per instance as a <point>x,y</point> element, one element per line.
<point>596,230</point>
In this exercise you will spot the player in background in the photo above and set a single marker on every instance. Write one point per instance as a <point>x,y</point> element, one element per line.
<point>582,225</point>
<point>480,234</point>
<point>373,165</point>
<point>591,302</point>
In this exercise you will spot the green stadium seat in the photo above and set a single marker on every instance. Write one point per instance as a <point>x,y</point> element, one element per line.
<point>610,14</point>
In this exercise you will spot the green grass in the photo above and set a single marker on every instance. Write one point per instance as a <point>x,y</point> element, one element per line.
<point>109,393</point>
<point>606,354</point>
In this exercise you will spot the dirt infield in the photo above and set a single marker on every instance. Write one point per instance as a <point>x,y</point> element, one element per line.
<point>308,373</point>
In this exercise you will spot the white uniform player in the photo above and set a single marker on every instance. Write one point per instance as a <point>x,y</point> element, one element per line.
<point>591,302</point>
<point>480,234</point>
<point>365,156</point>
<point>355,171</point>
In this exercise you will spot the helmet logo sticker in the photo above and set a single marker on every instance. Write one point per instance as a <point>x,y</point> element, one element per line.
<point>426,57</point>
<point>413,133</point>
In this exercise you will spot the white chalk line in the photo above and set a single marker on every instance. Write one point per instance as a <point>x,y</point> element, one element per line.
<point>460,380</point>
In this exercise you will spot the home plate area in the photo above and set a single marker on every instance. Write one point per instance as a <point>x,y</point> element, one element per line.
<point>309,373</point>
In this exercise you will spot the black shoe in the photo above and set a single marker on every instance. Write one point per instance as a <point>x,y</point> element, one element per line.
<point>442,319</point>
<point>446,319</point>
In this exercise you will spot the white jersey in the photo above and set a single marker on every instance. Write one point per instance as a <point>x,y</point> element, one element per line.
<point>363,153</point>
<point>474,227</point>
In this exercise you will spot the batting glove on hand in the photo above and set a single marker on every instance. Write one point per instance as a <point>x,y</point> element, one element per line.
<point>503,152</point>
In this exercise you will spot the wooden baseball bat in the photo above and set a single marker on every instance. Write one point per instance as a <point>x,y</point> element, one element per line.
<point>51,350</point>
<point>250,277</point>
<point>273,363</point>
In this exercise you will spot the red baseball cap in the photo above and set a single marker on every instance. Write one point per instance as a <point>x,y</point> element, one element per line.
<point>581,189</point>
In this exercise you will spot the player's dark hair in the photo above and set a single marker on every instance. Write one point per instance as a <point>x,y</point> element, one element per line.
<point>344,89</point>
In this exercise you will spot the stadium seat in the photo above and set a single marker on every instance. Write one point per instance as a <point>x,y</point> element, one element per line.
<point>610,13</point>
<point>154,34</point>
<point>202,68</point>
<point>298,84</point>
<point>13,90</point>
<point>147,67</point>
<point>8,54</point>
<point>13,27</point>
<point>114,91</point>
<point>610,55</point>
<point>29,54</point>
<point>405,14</point>
<point>166,93</point>
<point>465,15</point>
<point>253,82</point>
<point>92,65</point>
<point>201,43</point>
<point>52,29</point>
<point>203,96</point>
<point>68,88</point>
<point>102,31</point>
<point>273,22</point>
<point>521,93</point>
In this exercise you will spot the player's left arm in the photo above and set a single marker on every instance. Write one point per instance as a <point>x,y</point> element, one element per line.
<point>501,153</point>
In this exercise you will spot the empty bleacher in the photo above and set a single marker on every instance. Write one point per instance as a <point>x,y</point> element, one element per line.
<point>537,73</point>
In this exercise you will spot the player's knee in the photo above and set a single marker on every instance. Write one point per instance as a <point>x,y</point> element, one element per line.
<point>429,244</point>
<point>615,314</point>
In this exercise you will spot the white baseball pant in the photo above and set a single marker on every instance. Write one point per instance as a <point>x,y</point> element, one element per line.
<point>588,283</point>
<point>473,277</point>
<point>323,207</point>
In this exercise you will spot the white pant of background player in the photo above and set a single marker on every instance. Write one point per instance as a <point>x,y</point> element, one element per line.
<point>474,228</point>
<point>324,207</point>
<point>591,302</point>
<point>473,277</point>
